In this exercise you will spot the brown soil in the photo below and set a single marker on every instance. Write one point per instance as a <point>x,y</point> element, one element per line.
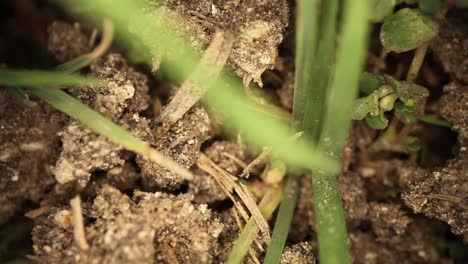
<point>398,207</point>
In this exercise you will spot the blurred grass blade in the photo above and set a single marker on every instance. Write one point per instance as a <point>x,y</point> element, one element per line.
<point>283,221</point>
<point>331,228</point>
<point>97,122</point>
<point>306,39</point>
<point>228,93</point>
<point>258,127</point>
<point>267,206</point>
<point>38,78</point>
<point>322,70</point>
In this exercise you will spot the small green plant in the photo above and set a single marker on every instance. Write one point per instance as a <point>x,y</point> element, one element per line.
<point>406,99</point>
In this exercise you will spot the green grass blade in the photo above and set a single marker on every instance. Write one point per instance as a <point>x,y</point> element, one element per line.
<point>321,71</point>
<point>435,121</point>
<point>38,78</point>
<point>89,117</point>
<point>331,228</point>
<point>344,88</point>
<point>100,124</point>
<point>283,221</point>
<point>243,242</point>
<point>258,126</point>
<point>75,64</point>
<point>306,39</point>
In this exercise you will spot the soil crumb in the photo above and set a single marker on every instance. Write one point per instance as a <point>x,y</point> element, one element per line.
<point>258,25</point>
<point>85,151</point>
<point>67,41</point>
<point>301,253</point>
<point>28,147</point>
<point>442,193</point>
<point>148,228</point>
<point>451,44</point>
<point>182,143</point>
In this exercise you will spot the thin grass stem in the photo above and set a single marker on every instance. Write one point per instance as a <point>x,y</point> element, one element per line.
<point>40,78</point>
<point>100,124</point>
<point>322,70</point>
<point>283,221</point>
<point>435,121</point>
<point>331,228</point>
<point>306,40</point>
<point>267,206</point>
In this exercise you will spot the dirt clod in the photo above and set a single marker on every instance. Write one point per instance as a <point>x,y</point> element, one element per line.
<point>182,143</point>
<point>442,193</point>
<point>416,245</point>
<point>28,147</point>
<point>455,109</point>
<point>67,41</point>
<point>150,227</point>
<point>85,151</point>
<point>259,27</point>
<point>301,253</point>
<point>388,221</point>
<point>451,44</point>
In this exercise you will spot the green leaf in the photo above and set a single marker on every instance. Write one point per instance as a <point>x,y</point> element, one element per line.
<point>381,9</point>
<point>377,122</point>
<point>370,82</point>
<point>430,6</point>
<point>405,90</point>
<point>39,78</point>
<point>370,103</point>
<point>410,94</point>
<point>366,105</point>
<point>407,29</point>
<point>412,144</point>
<point>405,113</point>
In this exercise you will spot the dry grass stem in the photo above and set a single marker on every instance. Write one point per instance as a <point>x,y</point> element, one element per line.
<point>244,194</point>
<point>78,225</point>
<point>190,92</point>
<point>262,158</point>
